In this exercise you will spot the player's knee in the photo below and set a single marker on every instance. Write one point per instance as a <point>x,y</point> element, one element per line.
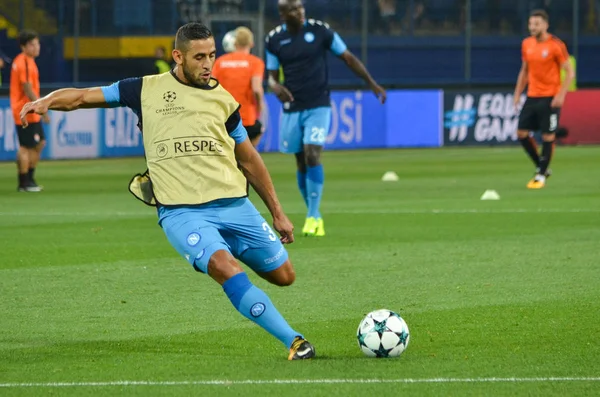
<point>287,275</point>
<point>313,156</point>
<point>522,134</point>
<point>301,162</point>
<point>222,266</point>
<point>288,279</point>
<point>549,137</point>
<point>23,155</point>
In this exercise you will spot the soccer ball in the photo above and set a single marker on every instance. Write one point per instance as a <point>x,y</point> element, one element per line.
<point>383,333</point>
<point>229,41</point>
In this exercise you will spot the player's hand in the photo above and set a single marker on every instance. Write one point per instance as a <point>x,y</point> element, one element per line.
<point>39,107</point>
<point>283,94</point>
<point>557,101</point>
<point>379,93</point>
<point>46,118</point>
<point>285,228</point>
<point>517,101</point>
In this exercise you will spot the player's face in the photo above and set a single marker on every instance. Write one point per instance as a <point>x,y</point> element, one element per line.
<point>32,48</point>
<point>292,12</point>
<point>197,61</point>
<point>537,26</point>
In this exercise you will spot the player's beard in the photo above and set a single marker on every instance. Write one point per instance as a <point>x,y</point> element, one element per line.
<point>191,78</point>
<point>537,34</point>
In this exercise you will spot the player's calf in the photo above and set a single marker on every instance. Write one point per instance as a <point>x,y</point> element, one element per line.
<point>529,146</point>
<point>256,306</point>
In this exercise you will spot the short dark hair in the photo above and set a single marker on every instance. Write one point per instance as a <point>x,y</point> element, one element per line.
<point>540,13</point>
<point>25,36</point>
<point>191,31</point>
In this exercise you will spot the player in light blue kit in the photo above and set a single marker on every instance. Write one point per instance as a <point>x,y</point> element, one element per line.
<point>300,48</point>
<point>194,141</point>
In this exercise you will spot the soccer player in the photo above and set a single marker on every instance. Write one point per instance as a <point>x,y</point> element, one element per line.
<point>25,87</point>
<point>193,142</point>
<point>241,73</point>
<point>544,55</point>
<point>160,64</point>
<point>300,47</point>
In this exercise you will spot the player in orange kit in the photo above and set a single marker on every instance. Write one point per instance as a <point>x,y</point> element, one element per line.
<point>25,87</point>
<point>241,73</point>
<point>544,55</point>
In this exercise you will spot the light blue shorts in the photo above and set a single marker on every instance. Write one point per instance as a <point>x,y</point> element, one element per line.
<point>306,127</point>
<point>233,225</point>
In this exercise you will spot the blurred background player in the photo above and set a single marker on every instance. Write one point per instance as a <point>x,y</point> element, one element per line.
<point>241,73</point>
<point>305,96</point>
<point>544,55</point>
<point>25,87</point>
<point>161,64</point>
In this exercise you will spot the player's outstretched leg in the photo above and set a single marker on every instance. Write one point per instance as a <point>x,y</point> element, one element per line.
<point>283,276</point>
<point>254,304</point>
<point>315,178</point>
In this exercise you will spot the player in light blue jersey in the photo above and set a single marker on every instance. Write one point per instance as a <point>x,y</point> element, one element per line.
<point>299,49</point>
<point>194,141</point>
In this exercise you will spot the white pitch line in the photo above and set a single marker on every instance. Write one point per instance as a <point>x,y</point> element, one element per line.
<point>296,382</point>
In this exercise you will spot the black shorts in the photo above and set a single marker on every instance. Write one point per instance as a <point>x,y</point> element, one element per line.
<point>31,136</point>
<point>254,130</point>
<point>538,115</point>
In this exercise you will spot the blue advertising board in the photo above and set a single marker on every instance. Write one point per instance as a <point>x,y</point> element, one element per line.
<point>359,121</point>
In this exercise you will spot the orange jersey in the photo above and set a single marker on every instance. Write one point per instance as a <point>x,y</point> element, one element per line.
<point>24,70</point>
<point>544,61</point>
<point>235,71</point>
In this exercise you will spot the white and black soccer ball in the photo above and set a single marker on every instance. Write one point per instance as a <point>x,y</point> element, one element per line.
<point>383,333</point>
<point>229,41</point>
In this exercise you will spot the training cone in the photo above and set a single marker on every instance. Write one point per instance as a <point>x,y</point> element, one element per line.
<point>390,176</point>
<point>490,195</point>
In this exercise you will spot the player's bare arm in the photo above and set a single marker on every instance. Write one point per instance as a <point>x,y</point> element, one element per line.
<point>282,93</point>
<point>257,174</point>
<point>28,89</point>
<point>65,100</point>
<point>559,99</point>
<point>361,71</point>
<point>259,93</point>
<point>521,83</point>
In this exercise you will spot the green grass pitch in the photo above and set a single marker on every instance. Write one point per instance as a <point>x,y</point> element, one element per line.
<point>501,297</point>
